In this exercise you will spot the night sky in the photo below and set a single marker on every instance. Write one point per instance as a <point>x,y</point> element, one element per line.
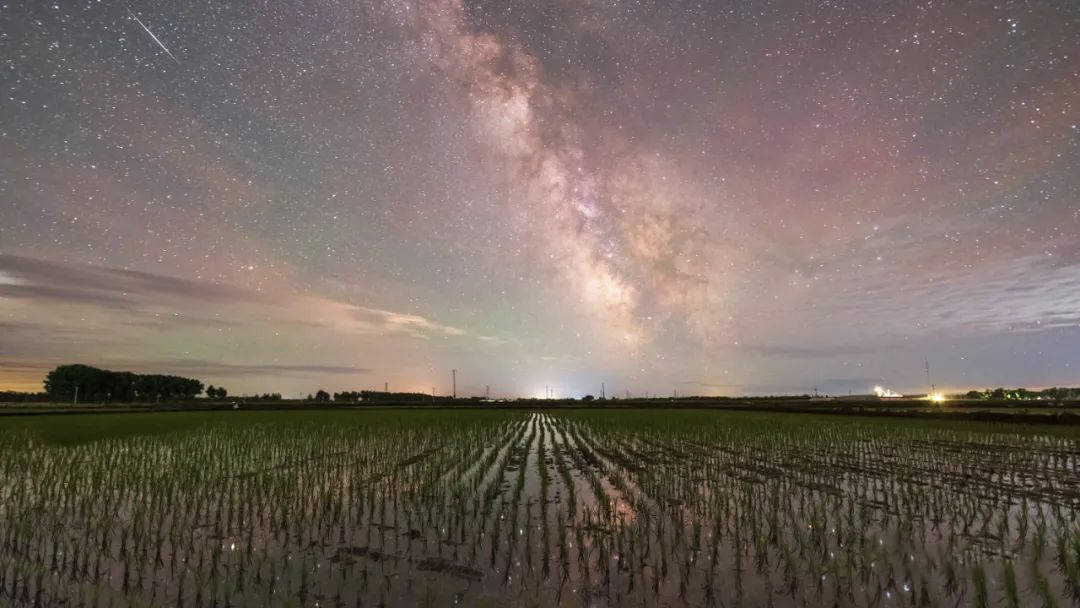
<point>708,197</point>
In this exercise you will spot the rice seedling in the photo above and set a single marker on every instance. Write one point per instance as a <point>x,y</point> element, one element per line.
<point>567,507</point>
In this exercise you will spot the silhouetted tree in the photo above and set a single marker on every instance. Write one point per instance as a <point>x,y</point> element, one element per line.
<point>17,396</point>
<point>93,384</point>
<point>322,395</point>
<point>1057,393</point>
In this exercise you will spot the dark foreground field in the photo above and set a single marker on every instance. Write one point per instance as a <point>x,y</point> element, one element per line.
<point>978,410</point>
<point>559,507</point>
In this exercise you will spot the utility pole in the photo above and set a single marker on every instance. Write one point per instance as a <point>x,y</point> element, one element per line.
<point>932,389</point>
<point>386,387</point>
<point>453,373</point>
<point>76,394</point>
<point>627,393</point>
<point>602,395</point>
<point>487,391</point>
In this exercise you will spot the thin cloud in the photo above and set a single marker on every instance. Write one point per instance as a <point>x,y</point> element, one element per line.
<point>406,323</point>
<point>97,285</point>
<point>57,313</point>
<point>492,340</point>
<point>196,366</point>
<point>45,282</point>
<point>781,350</point>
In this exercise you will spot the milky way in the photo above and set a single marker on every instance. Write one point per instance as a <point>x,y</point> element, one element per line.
<point>713,198</point>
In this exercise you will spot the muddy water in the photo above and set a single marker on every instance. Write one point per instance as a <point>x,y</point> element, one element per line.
<point>543,510</point>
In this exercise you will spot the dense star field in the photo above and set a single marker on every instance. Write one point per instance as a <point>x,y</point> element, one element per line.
<point>709,197</point>
<point>562,508</point>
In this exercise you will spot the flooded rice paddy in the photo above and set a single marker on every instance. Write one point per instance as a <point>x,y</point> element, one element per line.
<point>560,508</point>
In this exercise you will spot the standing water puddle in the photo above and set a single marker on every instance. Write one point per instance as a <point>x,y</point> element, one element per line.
<point>544,509</point>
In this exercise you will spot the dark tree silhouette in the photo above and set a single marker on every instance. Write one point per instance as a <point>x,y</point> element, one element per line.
<point>86,383</point>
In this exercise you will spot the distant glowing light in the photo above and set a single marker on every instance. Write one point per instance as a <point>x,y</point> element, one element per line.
<point>886,393</point>
<point>936,397</point>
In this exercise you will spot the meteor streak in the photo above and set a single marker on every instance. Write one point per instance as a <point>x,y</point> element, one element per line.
<point>159,42</point>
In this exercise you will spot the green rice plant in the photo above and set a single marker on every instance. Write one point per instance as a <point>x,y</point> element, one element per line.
<point>981,597</point>
<point>1011,590</point>
<point>254,511</point>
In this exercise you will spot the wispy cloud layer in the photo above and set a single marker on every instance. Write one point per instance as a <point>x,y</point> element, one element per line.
<point>57,313</point>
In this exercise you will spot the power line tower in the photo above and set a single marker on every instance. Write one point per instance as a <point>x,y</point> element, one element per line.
<point>487,391</point>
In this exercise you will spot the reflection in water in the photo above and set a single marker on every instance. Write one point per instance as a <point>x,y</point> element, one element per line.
<point>547,509</point>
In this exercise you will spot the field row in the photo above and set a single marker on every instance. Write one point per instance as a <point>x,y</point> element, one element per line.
<point>547,508</point>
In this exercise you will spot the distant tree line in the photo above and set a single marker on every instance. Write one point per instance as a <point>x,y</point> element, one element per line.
<point>85,383</point>
<point>1057,393</point>
<point>12,396</point>
<point>222,394</point>
<point>216,392</point>
<point>355,396</point>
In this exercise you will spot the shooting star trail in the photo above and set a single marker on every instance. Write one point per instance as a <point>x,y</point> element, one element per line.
<point>159,42</point>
